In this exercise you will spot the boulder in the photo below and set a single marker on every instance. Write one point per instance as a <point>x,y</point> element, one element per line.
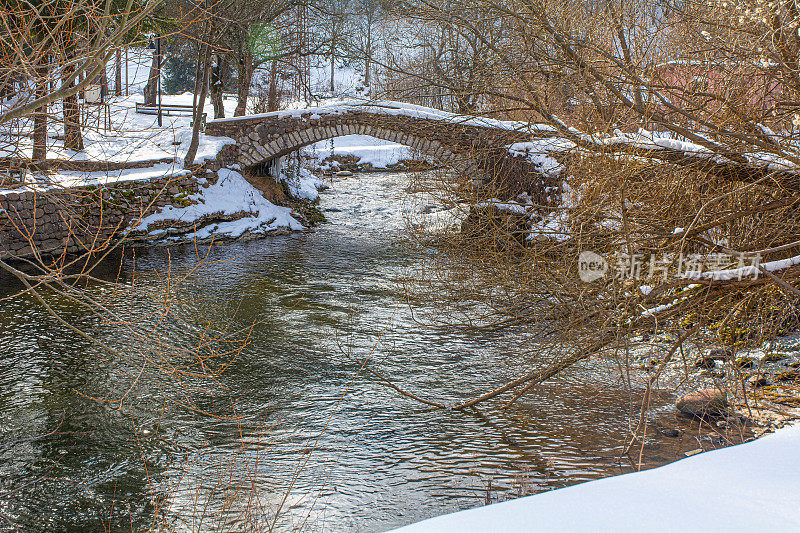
<point>706,402</point>
<point>705,362</point>
<point>759,380</point>
<point>719,354</point>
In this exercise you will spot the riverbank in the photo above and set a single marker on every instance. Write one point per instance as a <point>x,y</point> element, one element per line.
<point>129,182</point>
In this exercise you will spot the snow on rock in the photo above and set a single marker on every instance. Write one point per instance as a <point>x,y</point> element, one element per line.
<point>305,185</point>
<point>230,195</point>
<point>749,487</point>
<point>538,152</point>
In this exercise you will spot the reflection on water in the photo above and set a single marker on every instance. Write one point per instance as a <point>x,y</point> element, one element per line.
<point>292,417</point>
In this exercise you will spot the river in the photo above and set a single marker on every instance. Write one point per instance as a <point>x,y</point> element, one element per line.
<point>292,423</point>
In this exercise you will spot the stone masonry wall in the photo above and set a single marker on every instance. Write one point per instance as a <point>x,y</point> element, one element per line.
<point>262,138</point>
<point>86,218</point>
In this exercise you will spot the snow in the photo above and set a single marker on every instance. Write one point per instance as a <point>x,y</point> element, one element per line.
<point>305,185</point>
<point>132,137</point>
<point>379,153</point>
<point>655,141</point>
<point>749,487</point>
<point>555,226</point>
<point>230,195</point>
<point>386,107</point>
<point>511,206</point>
<point>752,270</point>
<point>538,152</point>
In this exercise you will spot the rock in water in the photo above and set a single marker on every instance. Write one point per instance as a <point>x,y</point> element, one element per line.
<point>759,380</point>
<point>344,173</point>
<point>704,362</point>
<point>707,402</point>
<point>774,357</point>
<point>720,354</point>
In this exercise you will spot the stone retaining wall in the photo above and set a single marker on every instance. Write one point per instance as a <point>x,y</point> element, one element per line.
<point>79,219</point>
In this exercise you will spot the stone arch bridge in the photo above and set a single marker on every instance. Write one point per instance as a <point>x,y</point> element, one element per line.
<point>450,139</point>
<point>472,145</point>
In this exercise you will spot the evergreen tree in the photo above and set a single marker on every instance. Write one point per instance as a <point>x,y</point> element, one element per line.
<point>179,68</point>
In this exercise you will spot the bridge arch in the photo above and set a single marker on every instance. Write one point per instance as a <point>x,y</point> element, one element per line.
<point>287,143</point>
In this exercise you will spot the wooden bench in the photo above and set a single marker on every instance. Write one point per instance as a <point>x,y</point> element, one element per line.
<point>169,110</point>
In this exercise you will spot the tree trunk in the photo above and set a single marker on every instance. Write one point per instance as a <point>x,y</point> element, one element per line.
<point>368,51</point>
<point>218,84</point>
<point>40,117</point>
<point>245,80</point>
<point>272,103</point>
<point>201,102</point>
<point>118,76</point>
<point>104,84</point>
<point>73,137</point>
<point>151,89</point>
<point>333,65</point>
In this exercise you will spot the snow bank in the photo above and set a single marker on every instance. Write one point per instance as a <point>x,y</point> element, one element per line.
<point>131,137</point>
<point>230,195</point>
<point>749,487</point>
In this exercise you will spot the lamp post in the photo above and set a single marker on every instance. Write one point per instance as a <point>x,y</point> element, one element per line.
<point>158,54</point>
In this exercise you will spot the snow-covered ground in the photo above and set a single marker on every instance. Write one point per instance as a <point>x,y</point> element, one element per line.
<point>230,195</point>
<point>367,150</point>
<point>749,487</point>
<point>132,137</point>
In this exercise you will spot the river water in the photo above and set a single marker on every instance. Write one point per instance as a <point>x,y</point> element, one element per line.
<point>293,427</point>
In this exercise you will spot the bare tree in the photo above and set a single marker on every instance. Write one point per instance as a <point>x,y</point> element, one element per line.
<point>671,127</point>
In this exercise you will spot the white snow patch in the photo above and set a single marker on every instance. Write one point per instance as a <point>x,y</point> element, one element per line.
<point>367,150</point>
<point>510,206</point>
<point>749,487</point>
<point>745,271</point>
